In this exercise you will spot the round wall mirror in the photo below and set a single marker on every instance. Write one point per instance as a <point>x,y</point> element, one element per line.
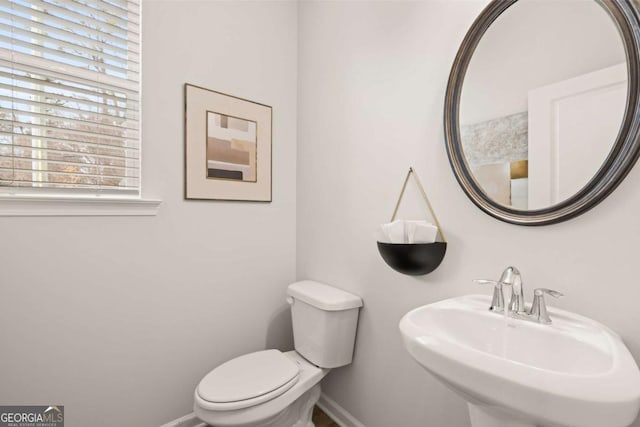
<point>542,112</point>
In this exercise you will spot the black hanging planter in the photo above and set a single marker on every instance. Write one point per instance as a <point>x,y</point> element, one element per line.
<point>414,259</point>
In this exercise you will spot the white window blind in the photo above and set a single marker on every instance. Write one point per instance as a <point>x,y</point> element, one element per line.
<point>69,96</point>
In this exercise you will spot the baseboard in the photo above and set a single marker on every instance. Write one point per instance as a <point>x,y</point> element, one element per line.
<point>188,420</point>
<point>337,412</point>
<point>328,405</point>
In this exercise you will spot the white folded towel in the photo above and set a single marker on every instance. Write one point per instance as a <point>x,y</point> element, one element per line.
<point>395,231</point>
<point>407,231</point>
<point>424,232</point>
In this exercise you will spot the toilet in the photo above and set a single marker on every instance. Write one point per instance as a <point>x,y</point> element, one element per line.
<point>270,388</point>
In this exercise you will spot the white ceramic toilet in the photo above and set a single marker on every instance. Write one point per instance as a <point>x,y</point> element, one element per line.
<point>274,389</point>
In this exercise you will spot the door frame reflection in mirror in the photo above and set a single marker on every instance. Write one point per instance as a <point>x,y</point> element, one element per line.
<point>626,16</point>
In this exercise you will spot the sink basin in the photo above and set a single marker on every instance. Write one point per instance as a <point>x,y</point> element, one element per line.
<point>512,372</point>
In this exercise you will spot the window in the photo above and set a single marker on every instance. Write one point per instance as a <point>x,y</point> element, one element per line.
<point>69,97</point>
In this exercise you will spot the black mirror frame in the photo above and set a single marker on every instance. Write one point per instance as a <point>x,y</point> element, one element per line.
<point>621,159</point>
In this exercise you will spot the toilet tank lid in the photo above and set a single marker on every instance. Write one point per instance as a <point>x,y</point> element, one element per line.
<point>323,296</point>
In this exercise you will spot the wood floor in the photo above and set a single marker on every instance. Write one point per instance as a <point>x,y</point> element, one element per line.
<point>320,419</point>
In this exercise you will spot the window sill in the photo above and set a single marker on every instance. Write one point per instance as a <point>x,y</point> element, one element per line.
<point>71,206</point>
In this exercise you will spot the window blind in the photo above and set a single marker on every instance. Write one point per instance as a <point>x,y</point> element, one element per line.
<point>69,96</point>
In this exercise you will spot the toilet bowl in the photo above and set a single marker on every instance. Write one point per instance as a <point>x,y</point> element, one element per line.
<point>270,388</point>
<point>285,409</point>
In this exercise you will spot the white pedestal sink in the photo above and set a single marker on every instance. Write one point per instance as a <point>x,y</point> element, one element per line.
<point>515,373</point>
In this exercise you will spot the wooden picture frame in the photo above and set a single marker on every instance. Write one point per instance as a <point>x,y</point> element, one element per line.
<point>227,147</point>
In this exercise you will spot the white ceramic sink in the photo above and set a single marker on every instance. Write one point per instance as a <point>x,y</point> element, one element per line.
<point>574,372</point>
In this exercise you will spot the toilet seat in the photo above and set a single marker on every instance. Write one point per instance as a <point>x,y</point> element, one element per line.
<point>289,402</point>
<point>248,380</point>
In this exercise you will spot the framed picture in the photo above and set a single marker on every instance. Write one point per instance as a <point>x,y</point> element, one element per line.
<point>227,147</point>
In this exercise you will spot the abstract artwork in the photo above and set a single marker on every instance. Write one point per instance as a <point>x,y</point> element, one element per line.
<point>227,147</point>
<point>231,148</point>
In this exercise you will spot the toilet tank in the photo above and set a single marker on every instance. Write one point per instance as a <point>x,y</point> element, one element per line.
<point>324,322</point>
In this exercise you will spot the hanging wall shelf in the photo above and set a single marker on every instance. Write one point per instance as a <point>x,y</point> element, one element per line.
<point>414,259</point>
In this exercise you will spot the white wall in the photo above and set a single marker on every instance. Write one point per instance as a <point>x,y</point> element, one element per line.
<point>372,78</point>
<point>119,318</point>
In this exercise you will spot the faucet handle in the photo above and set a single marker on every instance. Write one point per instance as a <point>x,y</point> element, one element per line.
<point>542,291</point>
<point>487,282</point>
<point>539,306</point>
<point>497,302</point>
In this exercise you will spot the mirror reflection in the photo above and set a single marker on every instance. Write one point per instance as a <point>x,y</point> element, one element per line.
<point>542,101</point>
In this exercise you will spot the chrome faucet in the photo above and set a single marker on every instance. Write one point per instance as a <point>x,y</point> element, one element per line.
<point>497,303</point>
<point>539,307</point>
<point>511,276</point>
<point>516,307</point>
